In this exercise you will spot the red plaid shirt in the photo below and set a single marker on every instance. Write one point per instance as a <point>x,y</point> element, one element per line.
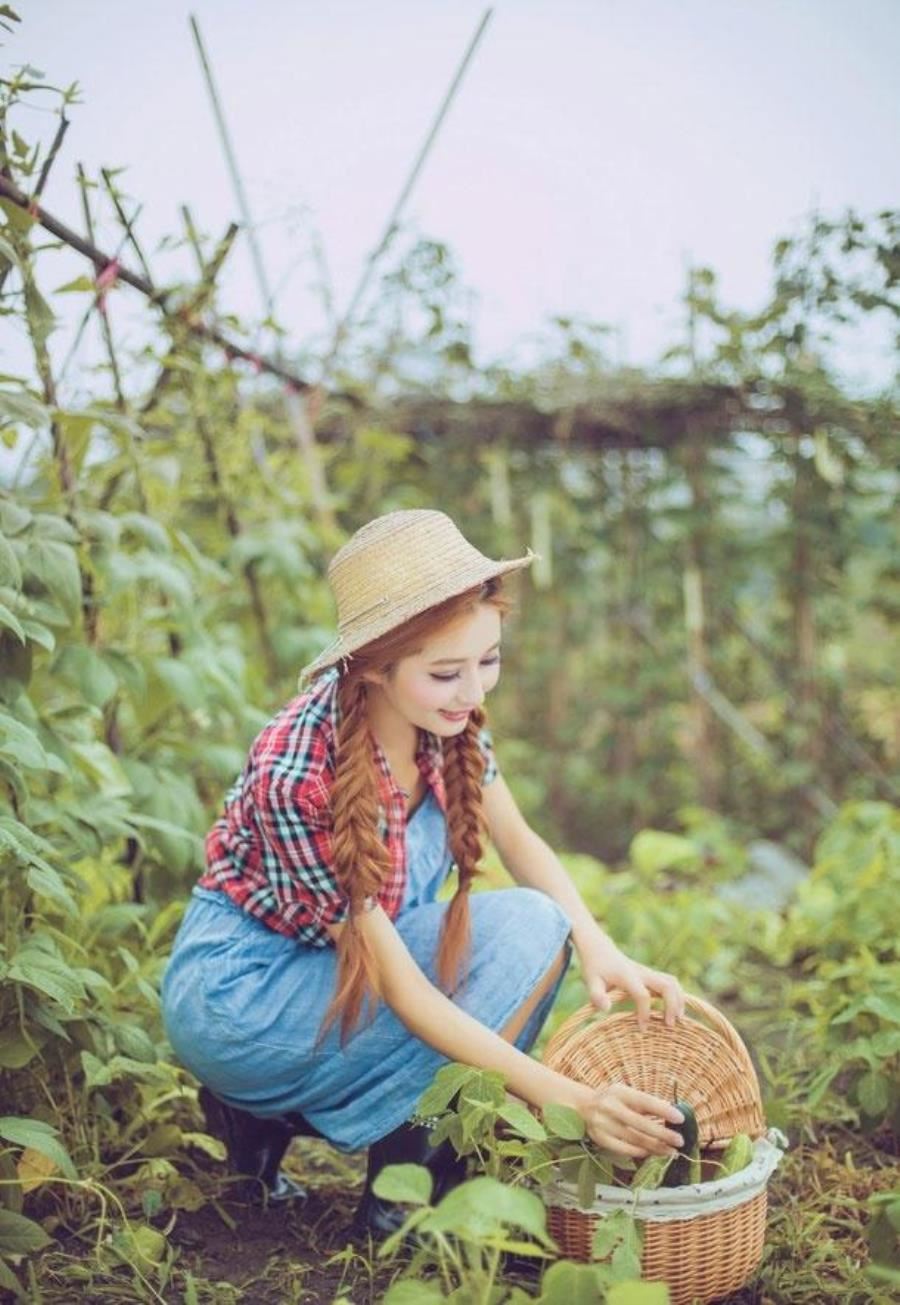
<point>270,850</point>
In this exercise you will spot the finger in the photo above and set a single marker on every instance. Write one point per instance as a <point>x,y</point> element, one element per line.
<point>644,1130</point>
<point>598,993</point>
<point>609,1142</point>
<point>641,997</point>
<point>647,1104</point>
<point>669,989</point>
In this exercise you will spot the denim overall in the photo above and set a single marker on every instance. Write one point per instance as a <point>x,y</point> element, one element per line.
<point>242,1005</point>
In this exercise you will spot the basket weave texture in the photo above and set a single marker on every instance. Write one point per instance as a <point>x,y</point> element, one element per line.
<point>702,1061</point>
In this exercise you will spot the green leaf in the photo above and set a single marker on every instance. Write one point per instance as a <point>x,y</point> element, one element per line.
<point>48,882</point>
<point>481,1206</point>
<point>8,251</point>
<point>39,634</point>
<point>81,283</point>
<point>13,517</point>
<point>566,1283</point>
<point>50,525</point>
<point>18,218</point>
<point>21,840</point>
<point>40,1137</point>
<point>626,1259</point>
<point>9,1281</point>
<point>135,1043</point>
<point>21,744</point>
<point>522,1120</point>
<point>182,681</point>
<point>148,1244</point>
<point>37,968</point>
<point>443,1088</point>
<point>638,1293</point>
<point>55,566</point>
<point>146,529</point>
<point>587,1183</point>
<point>16,1051</point>
<point>410,1184</point>
<point>85,670</point>
<point>103,767</point>
<point>10,570</point>
<point>8,620</point>
<point>873,1092</point>
<point>19,1236</point>
<point>564,1122</point>
<point>611,1231</point>
<point>18,406</point>
<point>653,850</point>
<point>412,1291</point>
<point>40,316</point>
<point>98,1074</point>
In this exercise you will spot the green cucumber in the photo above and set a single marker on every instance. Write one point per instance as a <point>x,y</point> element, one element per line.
<point>685,1167</point>
<point>736,1156</point>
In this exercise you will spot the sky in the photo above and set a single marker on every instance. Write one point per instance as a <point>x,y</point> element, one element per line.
<point>595,149</point>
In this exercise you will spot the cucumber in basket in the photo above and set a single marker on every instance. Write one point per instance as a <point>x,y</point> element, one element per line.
<point>736,1156</point>
<point>685,1167</point>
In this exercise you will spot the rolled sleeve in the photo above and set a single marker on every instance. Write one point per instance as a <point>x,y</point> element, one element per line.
<point>295,827</point>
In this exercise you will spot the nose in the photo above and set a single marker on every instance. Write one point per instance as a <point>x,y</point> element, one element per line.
<point>471,690</point>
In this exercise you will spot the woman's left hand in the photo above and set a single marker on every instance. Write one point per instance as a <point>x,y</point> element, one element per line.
<point>603,967</point>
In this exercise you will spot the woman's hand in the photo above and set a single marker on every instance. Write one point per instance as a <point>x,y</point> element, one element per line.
<point>603,967</point>
<point>625,1120</point>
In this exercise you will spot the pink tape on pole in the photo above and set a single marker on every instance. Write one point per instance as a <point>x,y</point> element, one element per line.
<point>106,279</point>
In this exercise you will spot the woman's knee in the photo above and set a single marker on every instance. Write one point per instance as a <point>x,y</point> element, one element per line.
<point>544,916</point>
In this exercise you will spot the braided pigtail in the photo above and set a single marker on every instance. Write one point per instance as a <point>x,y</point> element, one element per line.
<point>360,859</point>
<point>463,773</point>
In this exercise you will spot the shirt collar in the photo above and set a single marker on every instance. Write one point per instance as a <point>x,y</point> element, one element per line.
<point>429,752</point>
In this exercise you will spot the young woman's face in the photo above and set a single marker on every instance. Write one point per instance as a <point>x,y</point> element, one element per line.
<point>437,687</point>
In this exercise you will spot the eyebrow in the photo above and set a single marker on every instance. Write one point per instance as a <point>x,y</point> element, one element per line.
<point>456,661</point>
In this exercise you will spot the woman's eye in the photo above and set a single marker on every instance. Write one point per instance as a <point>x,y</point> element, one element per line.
<point>454,675</point>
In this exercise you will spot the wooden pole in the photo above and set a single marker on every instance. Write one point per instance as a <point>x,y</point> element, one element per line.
<point>232,350</point>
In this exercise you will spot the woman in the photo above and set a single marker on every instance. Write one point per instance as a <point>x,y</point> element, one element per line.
<point>316,984</point>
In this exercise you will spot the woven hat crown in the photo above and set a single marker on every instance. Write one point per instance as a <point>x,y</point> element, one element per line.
<point>396,567</point>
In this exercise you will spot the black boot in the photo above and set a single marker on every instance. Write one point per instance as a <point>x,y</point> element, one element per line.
<point>409,1144</point>
<point>256,1146</point>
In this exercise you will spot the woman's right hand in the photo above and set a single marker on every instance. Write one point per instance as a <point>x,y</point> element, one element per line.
<point>627,1121</point>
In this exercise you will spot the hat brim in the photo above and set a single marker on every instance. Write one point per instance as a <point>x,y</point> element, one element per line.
<point>472,576</point>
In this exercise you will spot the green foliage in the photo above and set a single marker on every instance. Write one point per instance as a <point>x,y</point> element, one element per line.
<point>842,935</point>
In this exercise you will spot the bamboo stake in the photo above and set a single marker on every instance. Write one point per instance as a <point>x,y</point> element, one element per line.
<point>706,737</point>
<point>131,856</point>
<point>105,328</point>
<point>295,405</point>
<point>61,454</point>
<point>233,526</point>
<point>208,272</point>
<point>201,295</point>
<point>390,227</point>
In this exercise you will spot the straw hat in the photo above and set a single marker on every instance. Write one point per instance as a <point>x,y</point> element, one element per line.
<point>396,567</point>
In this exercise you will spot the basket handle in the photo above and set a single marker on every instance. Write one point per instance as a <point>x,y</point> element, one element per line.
<point>697,1005</point>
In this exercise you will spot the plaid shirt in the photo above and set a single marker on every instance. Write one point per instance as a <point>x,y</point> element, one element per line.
<point>270,850</point>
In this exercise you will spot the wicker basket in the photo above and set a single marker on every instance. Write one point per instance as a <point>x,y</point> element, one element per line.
<point>707,1255</point>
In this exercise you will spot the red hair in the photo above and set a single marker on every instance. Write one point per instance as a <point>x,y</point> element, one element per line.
<point>361,860</point>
